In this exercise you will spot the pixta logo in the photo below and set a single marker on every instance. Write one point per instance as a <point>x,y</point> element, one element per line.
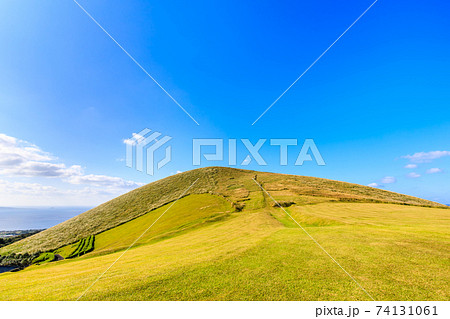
<point>253,151</point>
<point>141,148</point>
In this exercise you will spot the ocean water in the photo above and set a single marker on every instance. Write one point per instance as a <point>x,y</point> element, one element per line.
<point>5,269</point>
<point>21,218</point>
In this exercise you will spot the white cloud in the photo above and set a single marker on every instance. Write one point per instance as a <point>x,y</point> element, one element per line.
<point>35,194</point>
<point>434,170</point>
<point>129,141</point>
<point>136,137</point>
<point>14,152</point>
<point>426,157</point>
<point>388,180</point>
<point>19,159</point>
<point>413,175</point>
<point>103,181</point>
<point>376,185</point>
<point>411,166</point>
<point>40,169</point>
<point>7,187</point>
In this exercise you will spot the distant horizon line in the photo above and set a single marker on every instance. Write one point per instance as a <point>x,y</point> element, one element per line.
<point>48,207</point>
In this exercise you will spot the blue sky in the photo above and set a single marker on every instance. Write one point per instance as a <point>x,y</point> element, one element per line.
<point>69,96</point>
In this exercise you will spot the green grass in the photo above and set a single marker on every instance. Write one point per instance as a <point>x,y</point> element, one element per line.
<point>84,246</point>
<point>44,258</point>
<point>67,250</point>
<point>202,249</point>
<point>187,213</point>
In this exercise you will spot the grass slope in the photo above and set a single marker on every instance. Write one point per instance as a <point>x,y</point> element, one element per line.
<point>395,252</point>
<point>226,241</point>
<point>66,280</point>
<point>234,185</point>
<point>188,213</point>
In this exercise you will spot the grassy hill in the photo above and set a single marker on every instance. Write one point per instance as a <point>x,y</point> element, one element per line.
<point>234,185</point>
<point>225,240</point>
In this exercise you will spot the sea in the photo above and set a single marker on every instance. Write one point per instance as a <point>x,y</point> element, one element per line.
<point>23,218</point>
<point>5,269</point>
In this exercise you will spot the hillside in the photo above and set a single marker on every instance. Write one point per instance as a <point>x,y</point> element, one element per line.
<point>234,185</point>
<point>226,240</point>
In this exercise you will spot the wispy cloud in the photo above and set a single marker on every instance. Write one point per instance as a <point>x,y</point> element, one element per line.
<point>136,137</point>
<point>383,181</point>
<point>40,169</point>
<point>388,180</point>
<point>411,166</point>
<point>103,181</point>
<point>434,170</point>
<point>376,185</point>
<point>14,151</point>
<point>413,175</point>
<point>426,157</point>
<point>21,158</point>
<point>7,187</point>
<point>35,194</point>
